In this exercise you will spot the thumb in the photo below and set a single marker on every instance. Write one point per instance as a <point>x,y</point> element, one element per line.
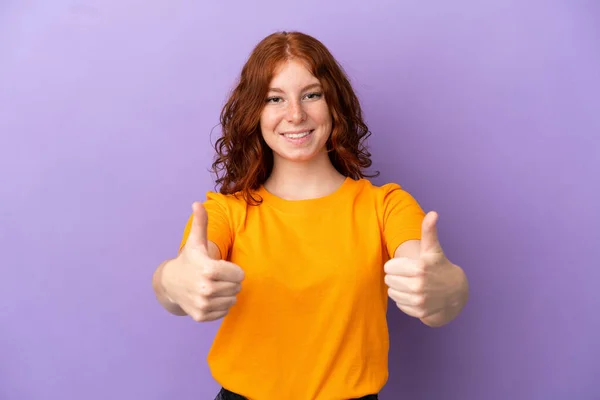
<point>198,235</point>
<point>429,236</point>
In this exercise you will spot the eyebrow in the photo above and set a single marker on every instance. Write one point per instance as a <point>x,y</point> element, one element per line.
<point>311,86</point>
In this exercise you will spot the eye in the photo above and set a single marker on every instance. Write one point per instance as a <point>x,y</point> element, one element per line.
<point>273,100</point>
<point>314,96</point>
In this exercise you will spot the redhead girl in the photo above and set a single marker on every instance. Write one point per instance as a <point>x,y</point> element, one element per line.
<point>298,252</point>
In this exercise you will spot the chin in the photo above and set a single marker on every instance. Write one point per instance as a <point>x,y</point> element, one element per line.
<point>297,157</point>
<point>301,156</point>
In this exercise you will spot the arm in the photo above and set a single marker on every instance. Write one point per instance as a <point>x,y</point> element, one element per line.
<point>454,281</point>
<point>159,290</point>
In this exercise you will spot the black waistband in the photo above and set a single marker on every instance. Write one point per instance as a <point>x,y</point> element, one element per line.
<point>225,394</point>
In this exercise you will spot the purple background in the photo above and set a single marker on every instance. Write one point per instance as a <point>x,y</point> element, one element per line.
<point>487,112</point>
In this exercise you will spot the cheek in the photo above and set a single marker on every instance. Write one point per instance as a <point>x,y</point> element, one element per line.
<point>263,122</point>
<point>323,116</point>
<point>268,122</point>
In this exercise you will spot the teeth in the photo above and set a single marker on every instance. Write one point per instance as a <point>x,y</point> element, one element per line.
<point>297,135</point>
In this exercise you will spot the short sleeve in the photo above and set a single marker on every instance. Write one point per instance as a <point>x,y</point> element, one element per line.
<point>219,227</point>
<point>402,217</point>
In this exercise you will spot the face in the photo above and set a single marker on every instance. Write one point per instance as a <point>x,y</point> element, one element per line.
<point>295,121</point>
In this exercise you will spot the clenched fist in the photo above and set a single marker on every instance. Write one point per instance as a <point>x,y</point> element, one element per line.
<point>203,287</point>
<point>428,284</point>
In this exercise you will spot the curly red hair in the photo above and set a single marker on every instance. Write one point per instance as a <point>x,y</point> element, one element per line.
<point>244,161</point>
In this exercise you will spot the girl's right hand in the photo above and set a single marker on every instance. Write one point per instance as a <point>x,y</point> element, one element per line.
<point>203,287</point>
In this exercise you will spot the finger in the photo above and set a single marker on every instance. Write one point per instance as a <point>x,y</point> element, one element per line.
<point>220,304</point>
<point>219,288</point>
<point>413,311</point>
<point>214,315</point>
<point>194,313</point>
<point>406,299</point>
<point>199,316</point>
<point>223,271</point>
<point>429,236</point>
<point>198,235</point>
<point>204,309</point>
<point>419,312</point>
<point>410,285</point>
<point>403,266</point>
<point>402,298</point>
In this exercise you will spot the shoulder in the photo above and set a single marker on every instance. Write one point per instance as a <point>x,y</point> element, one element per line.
<point>225,200</point>
<point>389,201</point>
<point>232,207</point>
<point>382,194</point>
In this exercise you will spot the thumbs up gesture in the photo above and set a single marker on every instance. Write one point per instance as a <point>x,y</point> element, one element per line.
<point>203,287</point>
<point>428,283</point>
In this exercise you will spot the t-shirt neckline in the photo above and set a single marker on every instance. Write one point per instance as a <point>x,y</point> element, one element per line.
<point>298,206</point>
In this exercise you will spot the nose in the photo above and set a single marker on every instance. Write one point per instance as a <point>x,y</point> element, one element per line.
<point>296,113</point>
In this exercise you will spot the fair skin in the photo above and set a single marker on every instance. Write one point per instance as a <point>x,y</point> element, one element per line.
<point>301,167</point>
<point>423,282</point>
<point>197,282</point>
<point>296,124</point>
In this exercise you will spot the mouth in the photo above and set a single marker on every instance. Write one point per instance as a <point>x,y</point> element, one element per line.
<point>297,135</point>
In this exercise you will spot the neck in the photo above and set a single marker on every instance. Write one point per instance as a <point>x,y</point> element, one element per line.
<point>293,180</point>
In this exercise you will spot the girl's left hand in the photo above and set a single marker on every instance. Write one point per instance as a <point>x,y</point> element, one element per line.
<point>425,285</point>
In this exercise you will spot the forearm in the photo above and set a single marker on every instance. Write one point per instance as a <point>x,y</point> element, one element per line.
<point>160,293</point>
<point>456,301</point>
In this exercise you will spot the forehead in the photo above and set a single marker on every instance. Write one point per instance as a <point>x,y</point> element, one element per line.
<point>292,73</point>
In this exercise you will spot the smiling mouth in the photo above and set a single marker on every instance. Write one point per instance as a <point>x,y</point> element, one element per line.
<point>298,135</point>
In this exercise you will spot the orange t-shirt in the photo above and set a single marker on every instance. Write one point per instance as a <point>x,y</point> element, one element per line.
<point>310,320</point>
